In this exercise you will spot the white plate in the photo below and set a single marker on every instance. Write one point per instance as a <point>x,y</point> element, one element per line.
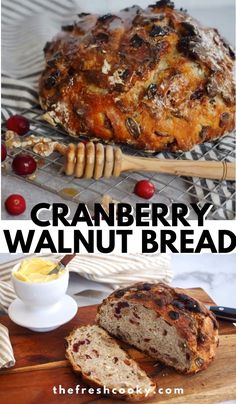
<point>44,320</point>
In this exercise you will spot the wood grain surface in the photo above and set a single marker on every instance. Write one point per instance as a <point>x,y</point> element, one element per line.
<point>40,365</point>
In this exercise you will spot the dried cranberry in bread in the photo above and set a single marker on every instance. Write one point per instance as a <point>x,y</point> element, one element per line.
<point>163,322</point>
<point>155,79</point>
<point>95,355</point>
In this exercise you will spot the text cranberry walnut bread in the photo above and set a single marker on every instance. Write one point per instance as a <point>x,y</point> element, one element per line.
<point>98,358</point>
<point>163,322</point>
<point>155,79</point>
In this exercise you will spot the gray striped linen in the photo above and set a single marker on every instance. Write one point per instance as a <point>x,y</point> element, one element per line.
<point>123,270</point>
<point>26,27</point>
<point>7,359</point>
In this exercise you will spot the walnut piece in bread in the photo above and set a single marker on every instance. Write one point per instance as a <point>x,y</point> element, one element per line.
<point>163,322</point>
<point>155,79</point>
<point>95,355</point>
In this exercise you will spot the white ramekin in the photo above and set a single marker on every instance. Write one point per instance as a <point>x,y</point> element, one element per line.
<point>40,295</point>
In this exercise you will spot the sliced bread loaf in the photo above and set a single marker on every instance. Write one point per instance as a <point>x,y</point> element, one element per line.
<point>163,322</point>
<point>99,359</point>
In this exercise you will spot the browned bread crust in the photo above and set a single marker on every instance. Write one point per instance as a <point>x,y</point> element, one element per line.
<point>155,79</point>
<point>194,324</point>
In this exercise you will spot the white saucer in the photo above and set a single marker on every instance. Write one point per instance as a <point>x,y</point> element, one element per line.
<point>43,320</point>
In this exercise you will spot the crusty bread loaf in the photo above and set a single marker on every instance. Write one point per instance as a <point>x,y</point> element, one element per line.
<point>98,358</point>
<point>163,322</point>
<point>155,79</point>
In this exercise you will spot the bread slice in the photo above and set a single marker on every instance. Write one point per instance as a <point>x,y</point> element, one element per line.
<point>163,322</point>
<point>102,363</point>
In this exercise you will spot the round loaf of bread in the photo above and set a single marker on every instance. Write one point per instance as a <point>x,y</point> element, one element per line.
<point>163,322</point>
<point>155,79</point>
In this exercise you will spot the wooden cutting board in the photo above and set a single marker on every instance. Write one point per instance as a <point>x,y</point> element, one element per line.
<point>40,365</point>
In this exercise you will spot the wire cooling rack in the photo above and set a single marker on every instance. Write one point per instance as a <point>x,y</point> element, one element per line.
<point>169,188</point>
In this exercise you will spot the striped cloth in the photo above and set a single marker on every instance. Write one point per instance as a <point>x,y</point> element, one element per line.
<point>7,359</point>
<point>115,270</point>
<point>26,27</point>
<point>123,270</point>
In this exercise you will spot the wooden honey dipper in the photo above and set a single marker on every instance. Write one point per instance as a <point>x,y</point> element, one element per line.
<point>96,161</point>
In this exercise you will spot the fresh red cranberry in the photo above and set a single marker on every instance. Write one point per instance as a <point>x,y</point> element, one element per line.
<point>3,152</point>
<point>145,189</point>
<point>24,164</point>
<point>15,204</point>
<point>18,124</point>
